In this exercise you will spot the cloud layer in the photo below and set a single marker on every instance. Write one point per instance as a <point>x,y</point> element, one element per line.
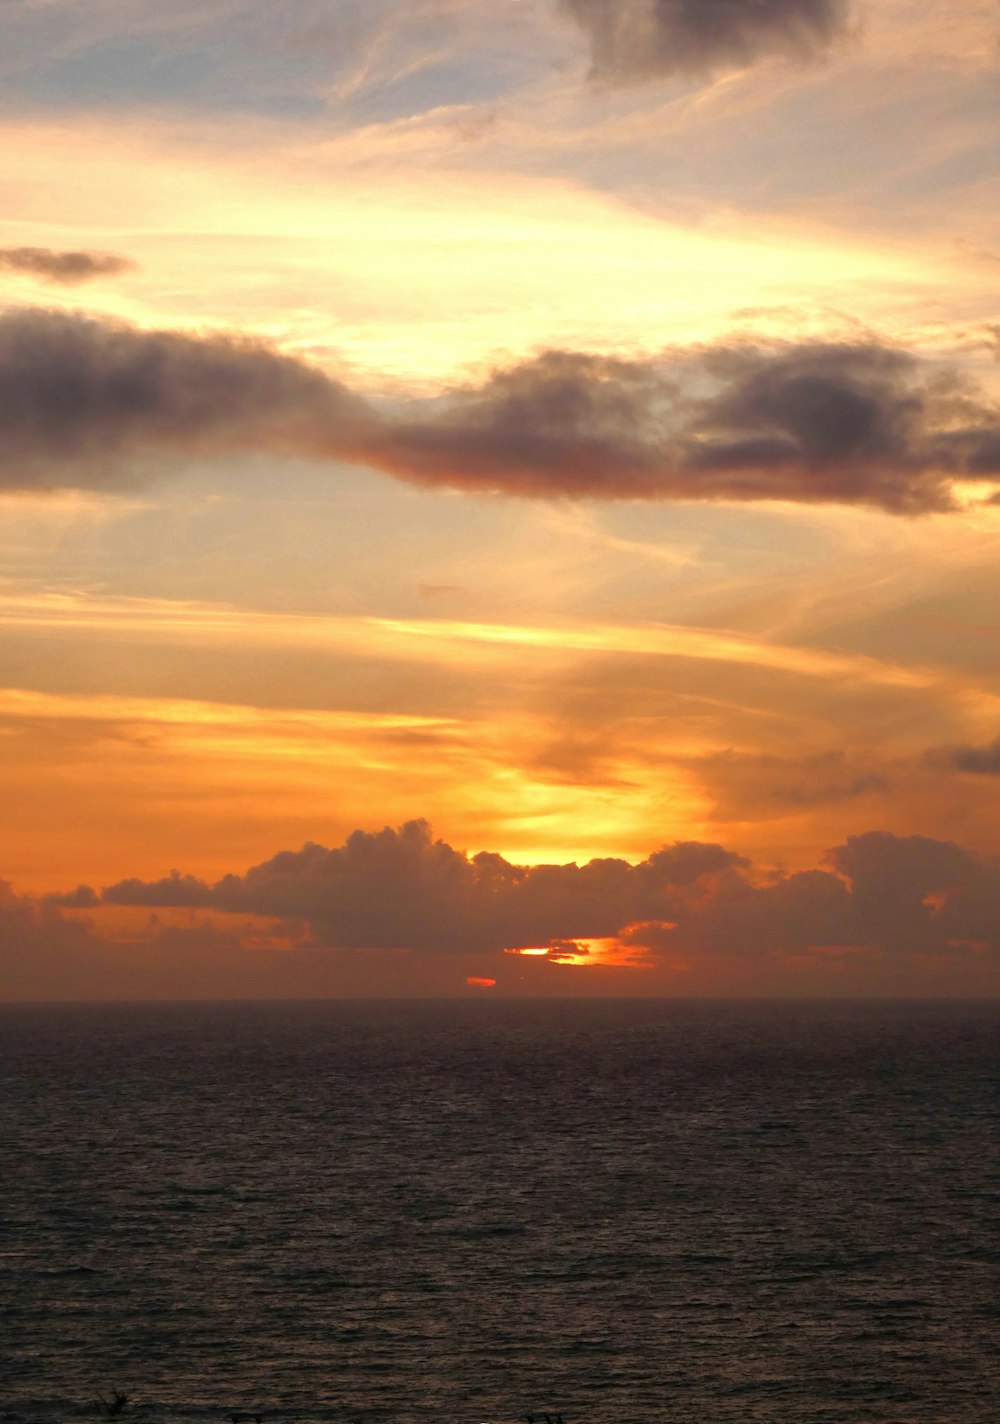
<point>399,913</point>
<point>814,422</point>
<point>402,889</point>
<point>980,761</point>
<point>83,402</point>
<point>67,269</point>
<point>639,39</point>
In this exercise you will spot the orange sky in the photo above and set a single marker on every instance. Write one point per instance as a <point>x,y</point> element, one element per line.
<point>438,412</point>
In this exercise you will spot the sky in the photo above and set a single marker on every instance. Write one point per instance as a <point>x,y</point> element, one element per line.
<point>500,497</point>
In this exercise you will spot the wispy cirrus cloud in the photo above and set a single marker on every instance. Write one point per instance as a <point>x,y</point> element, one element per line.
<point>237,56</point>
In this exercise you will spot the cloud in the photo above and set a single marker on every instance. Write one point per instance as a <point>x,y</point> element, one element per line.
<point>914,892</point>
<point>46,955</point>
<point>66,268</point>
<point>980,761</point>
<point>402,889</point>
<point>83,402</point>
<point>761,786</point>
<point>82,399</point>
<point>643,39</point>
<point>174,889</point>
<point>974,760</point>
<point>33,932</point>
<point>82,898</point>
<point>816,422</point>
<point>388,57</point>
<point>399,912</point>
<point>884,894</point>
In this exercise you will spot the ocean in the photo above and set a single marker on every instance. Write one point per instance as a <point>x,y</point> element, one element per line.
<point>729,1213</point>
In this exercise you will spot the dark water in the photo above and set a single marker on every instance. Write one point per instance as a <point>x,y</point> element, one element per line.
<point>473,1211</point>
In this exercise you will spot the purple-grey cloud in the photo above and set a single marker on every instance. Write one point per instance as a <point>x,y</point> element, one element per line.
<point>892,895</point>
<point>400,913</point>
<point>402,889</point>
<point>814,422</point>
<point>93,403</point>
<point>33,932</point>
<point>84,897</point>
<point>83,400</point>
<point>643,39</point>
<point>979,761</point>
<point>65,268</point>
<point>761,786</point>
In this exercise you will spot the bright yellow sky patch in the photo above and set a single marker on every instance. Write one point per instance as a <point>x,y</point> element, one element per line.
<point>382,271</point>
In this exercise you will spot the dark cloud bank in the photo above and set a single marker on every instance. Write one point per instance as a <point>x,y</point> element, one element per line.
<point>65,268</point>
<point>641,39</point>
<point>399,914</point>
<point>93,403</point>
<point>402,889</point>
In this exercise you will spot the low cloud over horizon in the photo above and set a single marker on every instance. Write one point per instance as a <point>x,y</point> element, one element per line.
<point>883,913</point>
<point>83,401</point>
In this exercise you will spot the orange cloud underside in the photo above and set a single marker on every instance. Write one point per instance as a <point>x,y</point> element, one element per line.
<point>124,924</point>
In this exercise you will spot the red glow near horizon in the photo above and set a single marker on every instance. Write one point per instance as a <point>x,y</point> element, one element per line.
<point>583,952</point>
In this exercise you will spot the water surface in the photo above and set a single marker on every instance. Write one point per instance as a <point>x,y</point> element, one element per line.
<point>473,1211</point>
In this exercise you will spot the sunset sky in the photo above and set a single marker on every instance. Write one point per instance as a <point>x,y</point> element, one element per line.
<point>558,431</point>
